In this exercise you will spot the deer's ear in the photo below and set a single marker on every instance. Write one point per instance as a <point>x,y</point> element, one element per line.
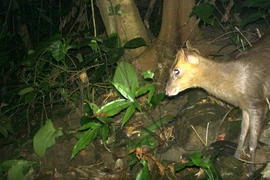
<point>191,57</point>
<point>190,47</point>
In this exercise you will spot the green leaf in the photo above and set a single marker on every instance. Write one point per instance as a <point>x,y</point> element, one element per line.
<point>148,75</point>
<point>58,51</point>
<point>26,90</point>
<point>79,57</point>
<point>87,41</point>
<point>135,43</point>
<point>17,169</point>
<point>251,18</point>
<point>98,73</point>
<point>144,89</point>
<point>196,158</point>
<point>144,173</point>
<point>114,107</point>
<point>204,11</point>
<point>157,99</point>
<point>16,173</point>
<point>90,125</point>
<point>180,166</point>
<point>104,133</point>
<point>93,106</point>
<point>126,76</point>
<point>257,3</point>
<point>114,54</point>
<point>112,41</point>
<point>88,136</point>
<point>128,114</point>
<point>45,138</point>
<point>14,162</point>
<point>87,109</point>
<point>124,91</point>
<point>137,105</point>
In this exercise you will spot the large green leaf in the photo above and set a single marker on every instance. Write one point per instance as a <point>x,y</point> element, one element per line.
<point>16,173</point>
<point>45,138</point>
<point>85,140</point>
<point>90,125</point>
<point>144,173</point>
<point>204,11</point>
<point>112,41</point>
<point>17,169</point>
<point>128,114</point>
<point>124,91</point>
<point>135,43</point>
<point>126,76</point>
<point>58,51</point>
<point>114,107</point>
<point>25,91</point>
<point>257,3</point>
<point>114,54</point>
<point>251,17</point>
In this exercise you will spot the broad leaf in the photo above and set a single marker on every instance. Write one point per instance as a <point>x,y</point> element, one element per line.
<point>124,91</point>
<point>85,140</point>
<point>104,133</point>
<point>58,51</point>
<point>16,173</point>
<point>26,90</point>
<point>250,18</point>
<point>257,3</point>
<point>157,99</point>
<point>6,165</point>
<point>128,114</point>
<point>45,138</point>
<point>144,173</point>
<point>114,107</point>
<point>135,43</point>
<point>180,166</point>
<point>92,125</point>
<point>93,106</point>
<point>204,11</point>
<point>112,41</point>
<point>126,76</point>
<point>148,75</point>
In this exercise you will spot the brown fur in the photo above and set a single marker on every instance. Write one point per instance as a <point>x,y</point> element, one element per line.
<point>243,82</point>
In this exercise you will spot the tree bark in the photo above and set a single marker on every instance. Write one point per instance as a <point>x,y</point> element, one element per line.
<point>126,23</point>
<point>188,26</point>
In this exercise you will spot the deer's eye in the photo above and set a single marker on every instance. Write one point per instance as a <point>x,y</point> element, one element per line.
<point>176,71</point>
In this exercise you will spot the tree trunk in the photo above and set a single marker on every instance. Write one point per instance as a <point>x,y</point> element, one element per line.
<point>176,28</point>
<point>188,28</point>
<point>126,22</point>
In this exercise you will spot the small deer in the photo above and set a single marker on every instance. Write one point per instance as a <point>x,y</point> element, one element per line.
<point>242,82</point>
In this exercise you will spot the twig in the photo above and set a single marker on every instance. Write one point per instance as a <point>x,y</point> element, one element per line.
<point>243,36</point>
<point>198,136</point>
